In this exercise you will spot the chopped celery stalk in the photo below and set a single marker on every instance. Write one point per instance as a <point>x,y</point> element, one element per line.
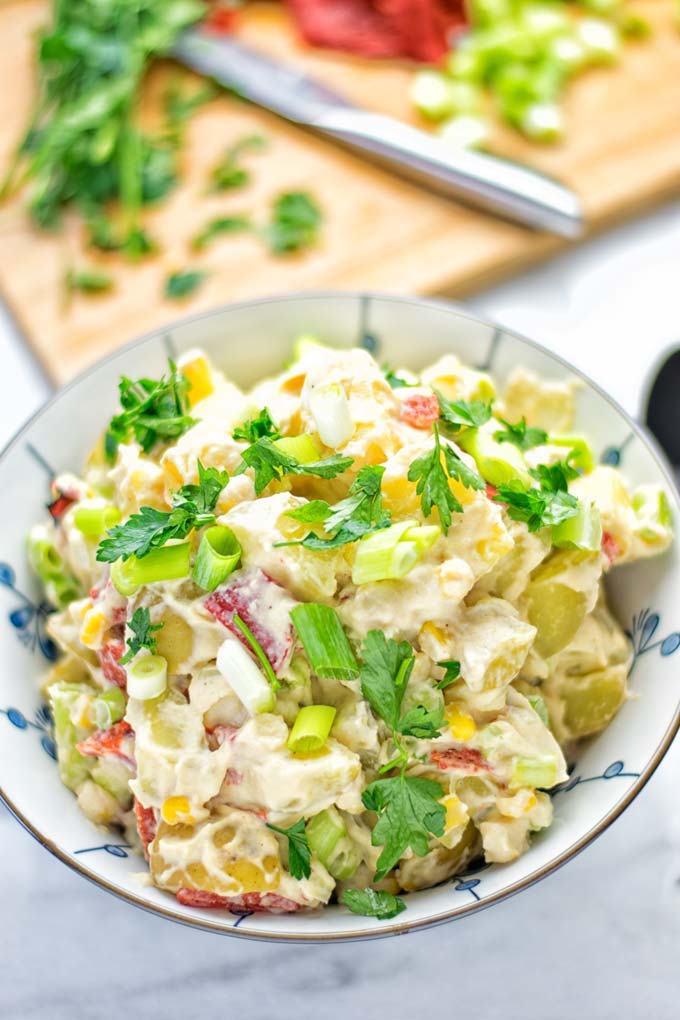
<point>147,677</point>
<point>542,122</point>
<point>61,591</point>
<point>498,463</point>
<point>114,777</point>
<point>310,729</point>
<point>218,555</point>
<point>329,408</point>
<point>93,521</point>
<point>244,677</point>
<point>584,531</point>
<point>323,832</point>
<point>69,703</point>
<point>652,512</point>
<point>581,454</point>
<point>390,553</point>
<point>258,651</point>
<point>344,860</point>
<point>465,131</point>
<point>600,40</point>
<point>305,343</point>
<point>302,448</point>
<point>539,772</point>
<point>43,556</point>
<point>325,642</point>
<point>539,707</point>
<point>170,563</point>
<point>108,708</point>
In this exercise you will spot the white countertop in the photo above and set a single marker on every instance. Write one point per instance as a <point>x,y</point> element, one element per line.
<point>600,939</point>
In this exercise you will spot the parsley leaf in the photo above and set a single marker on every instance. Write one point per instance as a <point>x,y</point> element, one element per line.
<point>359,514</point>
<point>373,903</point>
<point>258,427</point>
<point>555,477</point>
<point>270,463</point>
<point>143,634</point>
<point>536,507</point>
<point>432,479</point>
<point>220,225</point>
<point>184,282</point>
<point>229,173</point>
<point>457,414</point>
<point>299,854</point>
<point>385,671</point>
<point>421,723</point>
<point>521,435</point>
<point>153,411</point>
<point>88,281</point>
<point>452,667</point>
<point>396,381</point>
<point>294,224</point>
<point>409,811</point>
<point>193,507</point>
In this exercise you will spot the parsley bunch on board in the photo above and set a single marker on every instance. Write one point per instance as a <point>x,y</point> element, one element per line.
<point>359,514</point>
<point>260,427</point>
<point>143,631</point>
<point>299,853</point>
<point>521,435</point>
<point>432,478</point>
<point>270,463</point>
<point>545,506</point>
<point>84,145</point>
<point>153,411</point>
<point>455,415</point>
<point>193,507</point>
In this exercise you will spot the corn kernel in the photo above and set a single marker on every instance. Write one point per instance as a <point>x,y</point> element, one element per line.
<point>461,724</point>
<point>197,370</point>
<point>176,809</point>
<point>92,629</point>
<point>456,812</point>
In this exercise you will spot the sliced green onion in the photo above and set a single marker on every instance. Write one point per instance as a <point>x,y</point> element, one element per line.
<point>310,729</point>
<point>258,650</point>
<point>434,95</point>
<point>392,552</point>
<point>583,531</point>
<point>542,122</point>
<point>325,642</point>
<point>93,521</point>
<point>600,40</point>
<point>302,448</point>
<point>147,677</point>
<point>329,408</point>
<point>244,677</point>
<point>497,463</point>
<point>581,454</point>
<point>539,707</point>
<point>328,840</point>
<point>42,555</point>
<point>539,772</point>
<point>108,708</point>
<point>62,590</point>
<point>170,563</point>
<point>465,131</point>
<point>218,555</point>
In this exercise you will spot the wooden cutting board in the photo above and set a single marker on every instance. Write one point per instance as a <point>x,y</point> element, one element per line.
<point>622,154</point>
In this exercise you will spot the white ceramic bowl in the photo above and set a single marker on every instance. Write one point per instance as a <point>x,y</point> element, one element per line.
<point>249,341</point>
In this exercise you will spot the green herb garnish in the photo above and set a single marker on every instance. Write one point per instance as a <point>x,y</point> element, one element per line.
<point>88,281</point>
<point>142,634</point>
<point>452,667</point>
<point>294,224</point>
<point>457,414</point>
<point>373,903</point>
<point>260,427</point>
<point>299,854</point>
<point>193,507</point>
<point>180,105</point>
<point>521,435</point>
<point>270,463</point>
<point>537,508</point>
<point>396,381</point>
<point>432,478</point>
<point>215,228</point>
<point>229,173</point>
<point>184,282</point>
<point>359,514</point>
<point>409,811</point>
<point>153,411</point>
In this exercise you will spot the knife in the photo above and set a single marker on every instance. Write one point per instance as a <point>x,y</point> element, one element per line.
<point>496,185</point>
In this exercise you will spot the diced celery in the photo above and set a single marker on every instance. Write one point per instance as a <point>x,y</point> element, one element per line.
<point>328,840</point>
<point>539,772</point>
<point>539,707</point>
<point>114,777</point>
<point>581,456</point>
<point>302,448</point>
<point>584,531</point>
<point>652,511</point>
<point>74,768</point>
<point>498,463</point>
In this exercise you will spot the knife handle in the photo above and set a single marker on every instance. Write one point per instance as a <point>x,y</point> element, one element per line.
<point>499,185</point>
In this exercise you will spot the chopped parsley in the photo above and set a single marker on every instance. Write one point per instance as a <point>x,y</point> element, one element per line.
<point>88,281</point>
<point>455,415</point>
<point>142,634</point>
<point>259,427</point>
<point>270,463</point>
<point>359,514</point>
<point>409,811</point>
<point>295,223</point>
<point>299,854</point>
<point>521,435</point>
<point>193,507</point>
<point>229,173</point>
<point>153,411</point>
<point>452,667</point>
<point>396,381</point>
<point>373,903</point>
<point>432,478</point>
<point>215,228</point>
<point>555,477</point>
<point>184,282</point>
<point>537,508</point>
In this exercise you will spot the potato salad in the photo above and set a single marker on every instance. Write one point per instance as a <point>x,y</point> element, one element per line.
<point>332,639</point>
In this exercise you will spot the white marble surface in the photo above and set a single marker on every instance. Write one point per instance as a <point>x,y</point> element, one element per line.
<point>600,939</point>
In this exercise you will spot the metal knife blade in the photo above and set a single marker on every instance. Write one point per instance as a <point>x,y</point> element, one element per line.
<point>497,185</point>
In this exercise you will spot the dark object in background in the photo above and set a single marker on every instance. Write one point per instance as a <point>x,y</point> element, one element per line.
<point>419,29</point>
<point>662,414</point>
